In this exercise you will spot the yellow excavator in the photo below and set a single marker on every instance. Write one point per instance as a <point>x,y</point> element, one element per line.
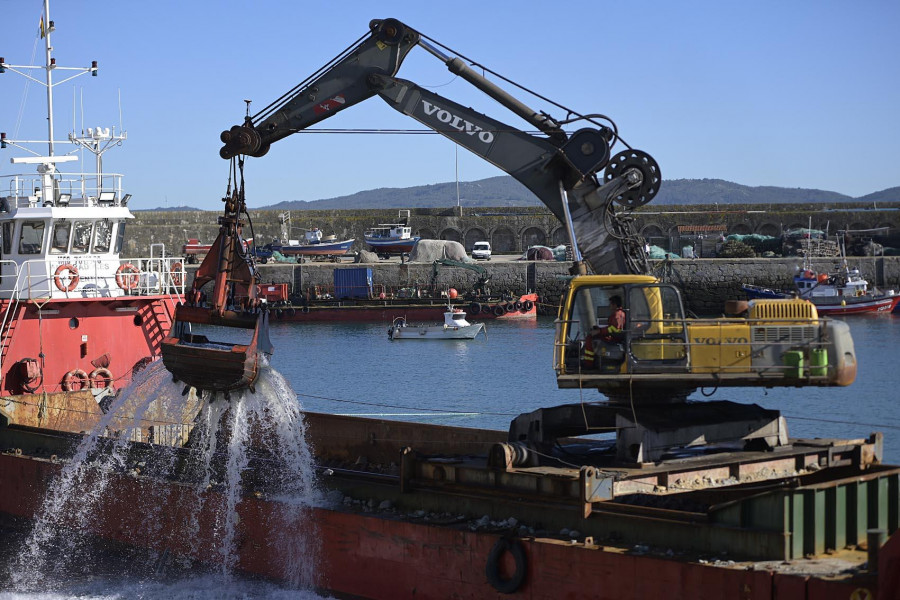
<point>657,355</point>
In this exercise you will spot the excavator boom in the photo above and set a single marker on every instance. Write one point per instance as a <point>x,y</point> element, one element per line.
<point>561,168</point>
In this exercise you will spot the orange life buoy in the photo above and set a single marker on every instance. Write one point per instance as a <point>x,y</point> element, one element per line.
<point>176,272</point>
<point>75,380</point>
<point>72,276</point>
<point>127,276</point>
<point>101,378</point>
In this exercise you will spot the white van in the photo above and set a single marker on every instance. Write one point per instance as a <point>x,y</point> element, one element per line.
<point>481,251</point>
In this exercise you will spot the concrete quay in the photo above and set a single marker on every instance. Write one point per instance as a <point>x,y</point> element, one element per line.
<point>705,283</point>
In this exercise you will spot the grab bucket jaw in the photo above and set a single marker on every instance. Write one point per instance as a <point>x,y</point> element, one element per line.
<point>205,364</point>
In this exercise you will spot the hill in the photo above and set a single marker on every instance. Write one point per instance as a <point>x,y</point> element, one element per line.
<point>506,191</point>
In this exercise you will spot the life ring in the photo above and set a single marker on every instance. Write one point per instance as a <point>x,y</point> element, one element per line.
<point>499,310</point>
<point>474,308</point>
<point>75,380</point>
<point>176,271</point>
<point>127,276</point>
<point>72,275</point>
<point>528,305</point>
<point>101,378</point>
<point>492,568</point>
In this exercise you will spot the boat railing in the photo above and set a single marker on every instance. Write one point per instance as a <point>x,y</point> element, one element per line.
<point>70,189</point>
<point>97,277</point>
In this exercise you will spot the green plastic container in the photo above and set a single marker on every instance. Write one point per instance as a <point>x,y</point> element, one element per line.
<point>818,362</point>
<point>793,360</point>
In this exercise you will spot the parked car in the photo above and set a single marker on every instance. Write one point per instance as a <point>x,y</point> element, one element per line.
<point>481,251</point>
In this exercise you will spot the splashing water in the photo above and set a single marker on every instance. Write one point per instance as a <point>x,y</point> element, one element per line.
<point>254,441</point>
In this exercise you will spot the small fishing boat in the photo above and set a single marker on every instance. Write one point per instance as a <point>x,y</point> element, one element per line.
<point>392,238</point>
<point>455,327</point>
<point>840,293</point>
<point>313,244</point>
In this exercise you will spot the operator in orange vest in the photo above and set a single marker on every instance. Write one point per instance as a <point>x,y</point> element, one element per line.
<point>613,333</point>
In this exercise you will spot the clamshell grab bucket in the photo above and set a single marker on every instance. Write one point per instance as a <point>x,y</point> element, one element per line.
<point>205,364</point>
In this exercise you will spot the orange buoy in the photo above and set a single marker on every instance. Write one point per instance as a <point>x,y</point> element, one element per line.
<point>71,275</point>
<point>101,378</point>
<point>75,380</point>
<point>452,293</point>
<point>127,276</point>
<point>177,270</point>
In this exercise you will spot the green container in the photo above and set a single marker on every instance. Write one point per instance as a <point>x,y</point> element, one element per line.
<point>818,362</point>
<point>793,360</point>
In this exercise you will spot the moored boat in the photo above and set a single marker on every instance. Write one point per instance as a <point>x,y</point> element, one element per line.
<point>78,318</point>
<point>392,238</point>
<point>843,292</point>
<point>313,244</point>
<point>454,327</point>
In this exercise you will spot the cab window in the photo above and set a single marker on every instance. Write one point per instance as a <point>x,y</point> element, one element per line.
<point>120,237</point>
<point>32,238</point>
<point>7,237</point>
<point>81,238</point>
<point>61,231</point>
<point>102,236</point>
<point>591,307</point>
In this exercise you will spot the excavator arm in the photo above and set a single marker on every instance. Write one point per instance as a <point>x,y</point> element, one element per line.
<point>558,167</point>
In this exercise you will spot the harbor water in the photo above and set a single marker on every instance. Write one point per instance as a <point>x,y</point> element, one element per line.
<point>353,368</point>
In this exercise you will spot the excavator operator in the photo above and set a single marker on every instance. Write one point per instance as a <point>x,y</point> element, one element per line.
<point>614,332</point>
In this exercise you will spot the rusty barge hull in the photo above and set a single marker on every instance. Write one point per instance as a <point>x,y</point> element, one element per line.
<point>374,557</point>
<point>371,554</point>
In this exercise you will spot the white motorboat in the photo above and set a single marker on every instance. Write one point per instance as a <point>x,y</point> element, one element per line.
<point>455,327</point>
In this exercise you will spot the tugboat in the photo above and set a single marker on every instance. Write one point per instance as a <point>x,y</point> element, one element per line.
<point>76,318</point>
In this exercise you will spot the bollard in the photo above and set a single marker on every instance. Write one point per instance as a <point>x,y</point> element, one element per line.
<point>875,539</point>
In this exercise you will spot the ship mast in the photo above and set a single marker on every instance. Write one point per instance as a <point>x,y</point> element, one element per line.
<point>50,64</point>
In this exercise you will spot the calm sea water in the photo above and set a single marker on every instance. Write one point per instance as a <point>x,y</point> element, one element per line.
<point>352,368</point>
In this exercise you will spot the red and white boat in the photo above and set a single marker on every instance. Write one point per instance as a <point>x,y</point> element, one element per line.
<point>841,292</point>
<point>76,317</point>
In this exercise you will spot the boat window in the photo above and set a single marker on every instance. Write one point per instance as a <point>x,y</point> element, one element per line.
<point>102,236</point>
<point>61,231</point>
<point>32,237</point>
<point>7,237</point>
<point>81,240</point>
<point>120,237</point>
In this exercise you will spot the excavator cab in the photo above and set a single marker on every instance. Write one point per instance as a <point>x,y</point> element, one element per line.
<point>215,346</point>
<point>660,355</point>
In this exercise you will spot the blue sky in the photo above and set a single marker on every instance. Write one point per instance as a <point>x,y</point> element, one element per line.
<point>794,94</point>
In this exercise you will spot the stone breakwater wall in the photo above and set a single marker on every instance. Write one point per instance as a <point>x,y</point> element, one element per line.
<point>705,283</point>
<point>513,230</point>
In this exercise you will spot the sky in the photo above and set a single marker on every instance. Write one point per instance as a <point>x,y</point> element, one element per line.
<point>764,93</point>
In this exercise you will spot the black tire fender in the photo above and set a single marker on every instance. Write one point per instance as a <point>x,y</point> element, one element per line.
<point>492,567</point>
<point>499,310</point>
<point>528,305</point>
<point>475,308</point>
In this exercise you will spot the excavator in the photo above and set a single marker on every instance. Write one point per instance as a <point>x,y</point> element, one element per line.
<point>658,356</point>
